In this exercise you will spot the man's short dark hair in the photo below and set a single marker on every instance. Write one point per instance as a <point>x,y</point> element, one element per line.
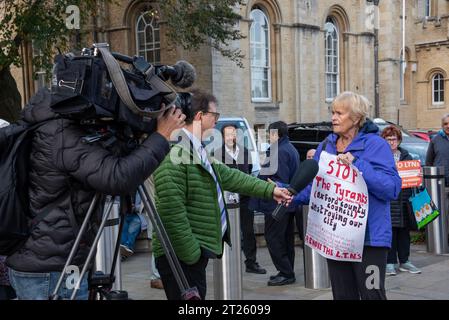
<point>228,125</point>
<point>200,103</point>
<point>280,126</point>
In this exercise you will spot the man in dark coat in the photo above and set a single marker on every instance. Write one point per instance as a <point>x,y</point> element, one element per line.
<point>65,174</point>
<point>438,151</point>
<point>238,157</point>
<point>279,234</point>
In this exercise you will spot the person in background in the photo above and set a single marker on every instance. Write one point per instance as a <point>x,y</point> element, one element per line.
<point>238,157</point>
<point>299,209</point>
<point>310,154</point>
<point>279,234</point>
<point>401,212</point>
<point>156,281</point>
<point>155,277</point>
<point>133,225</point>
<point>438,151</point>
<point>355,141</point>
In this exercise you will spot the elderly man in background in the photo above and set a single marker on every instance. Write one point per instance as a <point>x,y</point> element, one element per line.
<point>238,157</point>
<point>438,151</point>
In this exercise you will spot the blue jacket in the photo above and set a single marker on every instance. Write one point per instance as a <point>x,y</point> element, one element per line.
<point>288,161</point>
<point>375,161</point>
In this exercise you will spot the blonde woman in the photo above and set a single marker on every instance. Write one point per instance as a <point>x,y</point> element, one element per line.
<point>355,140</point>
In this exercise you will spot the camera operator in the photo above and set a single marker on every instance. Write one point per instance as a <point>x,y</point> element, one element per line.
<point>64,176</point>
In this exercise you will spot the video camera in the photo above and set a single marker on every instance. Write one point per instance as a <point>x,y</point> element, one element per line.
<point>95,86</point>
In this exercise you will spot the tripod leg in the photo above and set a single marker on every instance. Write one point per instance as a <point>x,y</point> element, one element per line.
<point>117,245</point>
<point>92,249</point>
<point>92,207</point>
<point>167,246</point>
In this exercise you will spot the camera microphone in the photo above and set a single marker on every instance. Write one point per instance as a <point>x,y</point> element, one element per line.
<point>305,173</point>
<point>182,74</point>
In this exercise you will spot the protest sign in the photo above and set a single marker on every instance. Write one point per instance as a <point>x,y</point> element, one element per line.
<point>338,211</point>
<point>410,173</point>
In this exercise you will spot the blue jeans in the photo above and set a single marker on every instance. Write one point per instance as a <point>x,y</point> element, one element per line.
<point>131,229</point>
<point>40,286</point>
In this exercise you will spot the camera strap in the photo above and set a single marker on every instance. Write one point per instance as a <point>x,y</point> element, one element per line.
<point>118,79</point>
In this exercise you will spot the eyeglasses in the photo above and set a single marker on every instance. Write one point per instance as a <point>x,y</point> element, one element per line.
<point>215,114</point>
<point>391,140</point>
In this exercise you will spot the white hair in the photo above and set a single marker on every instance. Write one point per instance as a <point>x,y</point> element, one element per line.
<point>446,115</point>
<point>358,105</point>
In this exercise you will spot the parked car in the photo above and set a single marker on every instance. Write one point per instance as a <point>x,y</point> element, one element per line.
<point>305,136</point>
<point>247,139</point>
<point>426,135</point>
<point>415,146</point>
<point>420,134</point>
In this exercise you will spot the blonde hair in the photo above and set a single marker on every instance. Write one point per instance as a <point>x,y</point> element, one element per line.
<point>357,104</point>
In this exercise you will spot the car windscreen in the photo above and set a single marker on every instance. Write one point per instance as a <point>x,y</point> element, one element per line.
<point>417,150</point>
<point>404,132</point>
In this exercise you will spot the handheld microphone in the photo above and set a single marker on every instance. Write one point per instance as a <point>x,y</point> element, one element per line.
<point>305,173</point>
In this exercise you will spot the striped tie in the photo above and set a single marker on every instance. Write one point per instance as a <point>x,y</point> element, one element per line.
<point>208,166</point>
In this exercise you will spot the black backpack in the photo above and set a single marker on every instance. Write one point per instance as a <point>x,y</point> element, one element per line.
<point>15,217</point>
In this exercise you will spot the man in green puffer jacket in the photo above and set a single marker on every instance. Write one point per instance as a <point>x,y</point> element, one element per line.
<point>189,199</point>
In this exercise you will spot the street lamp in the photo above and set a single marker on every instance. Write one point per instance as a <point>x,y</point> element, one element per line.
<point>376,58</point>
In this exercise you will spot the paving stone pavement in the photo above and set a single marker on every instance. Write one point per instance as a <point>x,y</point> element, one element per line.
<point>431,284</point>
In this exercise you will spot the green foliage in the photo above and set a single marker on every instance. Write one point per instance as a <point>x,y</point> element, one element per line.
<point>40,22</point>
<point>191,23</point>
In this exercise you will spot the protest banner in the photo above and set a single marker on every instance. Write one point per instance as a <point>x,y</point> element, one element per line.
<point>338,211</point>
<point>410,173</point>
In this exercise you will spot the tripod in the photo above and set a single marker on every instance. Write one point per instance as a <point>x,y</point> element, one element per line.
<point>100,284</point>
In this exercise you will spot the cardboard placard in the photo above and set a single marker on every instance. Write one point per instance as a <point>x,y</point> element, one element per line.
<point>410,173</point>
<point>338,211</point>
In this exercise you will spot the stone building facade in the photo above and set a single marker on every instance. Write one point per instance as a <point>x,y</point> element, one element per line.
<point>420,97</point>
<point>299,54</point>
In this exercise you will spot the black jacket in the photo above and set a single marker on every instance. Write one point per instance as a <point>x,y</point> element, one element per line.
<point>287,158</point>
<point>66,172</point>
<point>243,164</point>
<point>400,208</point>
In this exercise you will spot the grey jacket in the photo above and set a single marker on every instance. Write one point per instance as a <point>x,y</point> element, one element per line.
<point>438,153</point>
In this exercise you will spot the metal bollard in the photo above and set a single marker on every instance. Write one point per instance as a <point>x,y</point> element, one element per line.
<point>106,246</point>
<point>228,269</point>
<point>316,273</point>
<point>436,231</point>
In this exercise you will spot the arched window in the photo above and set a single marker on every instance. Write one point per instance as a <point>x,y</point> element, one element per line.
<point>332,68</point>
<point>438,89</point>
<point>148,42</point>
<point>260,56</point>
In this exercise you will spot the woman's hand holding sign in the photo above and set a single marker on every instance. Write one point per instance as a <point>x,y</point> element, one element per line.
<point>346,158</point>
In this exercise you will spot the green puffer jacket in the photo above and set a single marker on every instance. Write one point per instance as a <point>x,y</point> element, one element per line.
<point>186,200</point>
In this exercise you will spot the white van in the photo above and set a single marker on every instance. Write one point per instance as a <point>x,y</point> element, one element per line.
<point>247,139</point>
